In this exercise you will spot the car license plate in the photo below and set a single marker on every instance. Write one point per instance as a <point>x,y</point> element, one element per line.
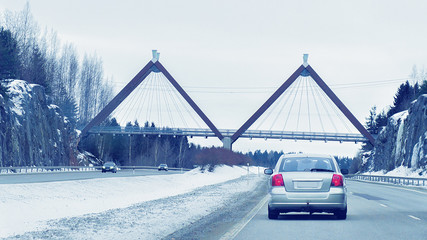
<point>307,185</point>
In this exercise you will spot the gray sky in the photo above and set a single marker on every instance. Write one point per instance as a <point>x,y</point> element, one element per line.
<point>249,44</point>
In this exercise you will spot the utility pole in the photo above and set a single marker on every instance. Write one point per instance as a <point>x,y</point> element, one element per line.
<point>130,150</point>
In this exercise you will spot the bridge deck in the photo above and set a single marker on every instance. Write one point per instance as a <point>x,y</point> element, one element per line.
<point>267,134</point>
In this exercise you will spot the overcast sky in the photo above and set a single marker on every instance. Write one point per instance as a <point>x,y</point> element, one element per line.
<point>240,45</point>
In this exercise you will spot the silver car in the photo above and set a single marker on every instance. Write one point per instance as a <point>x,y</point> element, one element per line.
<point>307,183</point>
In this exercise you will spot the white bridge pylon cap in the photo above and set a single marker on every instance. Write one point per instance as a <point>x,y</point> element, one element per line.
<point>156,56</point>
<point>305,58</point>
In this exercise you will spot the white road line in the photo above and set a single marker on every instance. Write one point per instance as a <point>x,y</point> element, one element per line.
<point>383,205</point>
<point>232,233</point>
<point>413,217</point>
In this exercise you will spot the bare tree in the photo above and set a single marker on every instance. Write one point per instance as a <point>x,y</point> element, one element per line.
<point>25,30</point>
<point>94,90</point>
<point>49,45</point>
<point>68,69</point>
<point>182,148</point>
<point>43,56</point>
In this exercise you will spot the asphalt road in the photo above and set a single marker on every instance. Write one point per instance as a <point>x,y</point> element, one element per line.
<point>68,176</point>
<point>375,211</point>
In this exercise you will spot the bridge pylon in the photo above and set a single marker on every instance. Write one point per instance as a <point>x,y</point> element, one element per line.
<point>155,66</point>
<point>305,70</point>
<point>227,143</point>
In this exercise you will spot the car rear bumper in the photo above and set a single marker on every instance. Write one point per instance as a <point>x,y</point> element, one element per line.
<point>109,170</point>
<point>283,201</point>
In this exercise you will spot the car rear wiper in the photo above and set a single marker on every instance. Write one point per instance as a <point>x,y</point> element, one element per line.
<point>321,170</point>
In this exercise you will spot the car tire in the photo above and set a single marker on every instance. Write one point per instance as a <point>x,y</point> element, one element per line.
<point>341,214</point>
<point>272,214</point>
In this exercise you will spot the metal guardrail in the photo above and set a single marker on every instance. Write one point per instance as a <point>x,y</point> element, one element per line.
<point>389,179</point>
<point>50,169</point>
<point>44,169</point>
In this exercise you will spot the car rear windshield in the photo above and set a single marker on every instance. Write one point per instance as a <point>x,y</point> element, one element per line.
<point>307,164</point>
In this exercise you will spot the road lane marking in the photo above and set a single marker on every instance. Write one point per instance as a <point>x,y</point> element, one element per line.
<point>413,217</point>
<point>383,205</point>
<point>232,233</point>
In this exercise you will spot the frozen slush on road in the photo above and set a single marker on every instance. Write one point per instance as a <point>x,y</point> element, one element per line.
<point>35,209</point>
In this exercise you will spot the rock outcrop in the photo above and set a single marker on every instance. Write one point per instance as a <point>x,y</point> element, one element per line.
<point>403,142</point>
<point>34,132</point>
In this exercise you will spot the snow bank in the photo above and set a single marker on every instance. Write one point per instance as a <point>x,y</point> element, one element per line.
<point>401,171</point>
<point>28,207</point>
<point>399,116</point>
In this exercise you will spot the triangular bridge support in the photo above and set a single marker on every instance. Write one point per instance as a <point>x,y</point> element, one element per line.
<point>153,66</point>
<point>304,70</point>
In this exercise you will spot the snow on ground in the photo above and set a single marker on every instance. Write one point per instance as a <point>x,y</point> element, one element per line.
<point>399,116</point>
<point>36,207</point>
<point>401,171</point>
<point>18,89</point>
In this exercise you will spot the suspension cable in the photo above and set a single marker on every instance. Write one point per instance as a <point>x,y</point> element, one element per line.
<point>186,106</point>
<point>268,113</point>
<point>143,88</point>
<point>324,100</point>
<point>165,89</point>
<point>299,109</point>
<point>308,103</point>
<point>338,113</point>
<point>292,104</point>
<point>317,108</point>
<point>124,105</point>
<point>150,101</point>
<point>290,93</point>
<point>138,94</point>
<point>175,100</point>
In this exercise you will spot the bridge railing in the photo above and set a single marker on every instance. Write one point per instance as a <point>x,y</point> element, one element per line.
<point>322,136</point>
<point>51,169</point>
<point>390,180</point>
<point>199,132</point>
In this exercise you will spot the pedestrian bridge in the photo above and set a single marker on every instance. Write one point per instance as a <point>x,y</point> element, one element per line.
<point>304,89</point>
<point>197,132</point>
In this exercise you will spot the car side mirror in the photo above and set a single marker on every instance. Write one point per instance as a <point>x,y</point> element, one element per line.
<point>268,171</point>
<point>344,171</point>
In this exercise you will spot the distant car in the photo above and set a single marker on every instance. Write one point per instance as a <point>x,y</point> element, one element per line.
<point>163,167</point>
<point>307,183</point>
<point>109,167</point>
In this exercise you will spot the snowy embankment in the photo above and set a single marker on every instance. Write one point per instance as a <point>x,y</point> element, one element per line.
<point>401,171</point>
<point>37,208</point>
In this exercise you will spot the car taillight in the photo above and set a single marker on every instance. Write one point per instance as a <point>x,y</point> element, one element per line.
<point>277,180</point>
<point>337,180</point>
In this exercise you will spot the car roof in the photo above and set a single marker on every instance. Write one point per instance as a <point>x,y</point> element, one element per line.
<point>299,155</point>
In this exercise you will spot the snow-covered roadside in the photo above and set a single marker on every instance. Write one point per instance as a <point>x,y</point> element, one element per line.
<point>29,207</point>
<point>401,171</point>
